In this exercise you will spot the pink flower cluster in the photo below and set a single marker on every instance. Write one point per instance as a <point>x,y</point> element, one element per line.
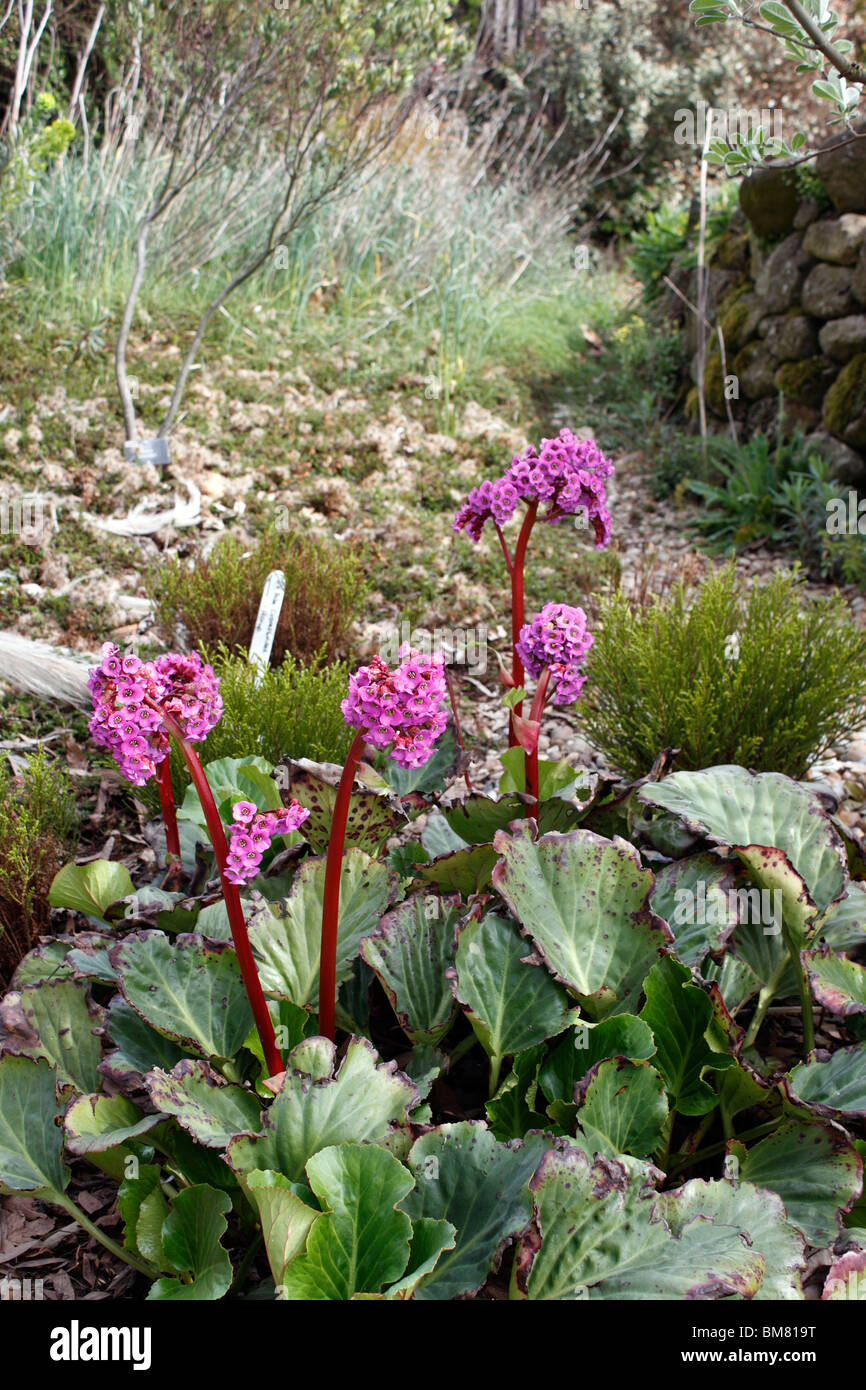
<point>251,833</point>
<point>557,638</point>
<point>129,727</point>
<point>399,707</point>
<point>567,475</point>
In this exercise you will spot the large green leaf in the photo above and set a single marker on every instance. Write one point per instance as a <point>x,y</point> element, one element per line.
<point>692,895</point>
<point>191,1242</point>
<point>597,1233</point>
<point>585,1045</point>
<point>318,1107</point>
<point>231,780</point>
<point>842,925</point>
<point>837,983</point>
<point>743,809</point>
<point>757,1212</point>
<point>622,1109</point>
<point>64,1020</point>
<point>832,1085</point>
<point>189,989</point>
<point>138,1048</point>
<point>429,1239</point>
<point>410,953</point>
<point>94,1124</point>
<point>361,1242</point>
<point>31,1143</point>
<point>90,888</point>
<point>465,871</point>
<point>584,901</point>
<point>477,818</point>
<point>679,1014</point>
<point>512,1005</point>
<point>811,1166</point>
<point>209,1108</point>
<point>288,943</point>
<point>285,1218</point>
<point>512,1112</point>
<point>465,1176</point>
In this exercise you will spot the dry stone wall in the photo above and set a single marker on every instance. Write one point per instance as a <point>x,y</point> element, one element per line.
<point>787,287</point>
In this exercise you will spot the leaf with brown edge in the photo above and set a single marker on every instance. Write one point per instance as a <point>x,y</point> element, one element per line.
<point>598,1232</point>
<point>585,902</point>
<point>207,1106</point>
<point>837,983</point>
<point>410,952</point>
<point>846,1277</point>
<point>465,871</point>
<point>374,812</point>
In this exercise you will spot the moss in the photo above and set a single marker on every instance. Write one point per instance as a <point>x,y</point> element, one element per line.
<point>732,251</point>
<point>691,406</point>
<point>806,381</point>
<point>714,383</point>
<point>733,325</point>
<point>845,402</point>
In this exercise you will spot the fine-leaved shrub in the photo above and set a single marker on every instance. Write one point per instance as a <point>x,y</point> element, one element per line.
<point>767,679</point>
<point>37,825</point>
<point>216,599</point>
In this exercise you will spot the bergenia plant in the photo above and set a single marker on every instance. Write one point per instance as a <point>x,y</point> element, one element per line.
<point>398,709</point>
<point>564,478</point>
<point>552,648</point>
<point>138,707</point>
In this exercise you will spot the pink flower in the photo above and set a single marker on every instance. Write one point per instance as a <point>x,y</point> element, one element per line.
<point>251,833</point>
<point>567,474</point>
<point>557,638</point>
<point>399,707</point>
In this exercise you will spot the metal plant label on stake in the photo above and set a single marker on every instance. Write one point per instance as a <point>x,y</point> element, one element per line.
<point>265,630</point>
<point>147,451</point>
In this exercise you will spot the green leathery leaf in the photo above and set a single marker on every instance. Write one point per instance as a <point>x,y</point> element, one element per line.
<point>96,1123</point>
<point>837,983</point>
<point>153,1211</point>
<point>691,895</point>
<point>46,962</point>
<point>812,1167</point>
<point>317,1107</point>
<point>410,953</point>
<point>756,1211</point>
<point>138,1048</point>
<point>231,780</point>
<point>463,871</point>
<point>285,1218</point>
<point>586,1044</point>
<point>622,1109</point>
<point>31,1143</point>
<point>361,1242</point>
<point>131,1193</point>
<point>584,901</point>
<point>842,925</point>
<point>596,1233</point>
<point>429,1239</point>
<point>191,1241</point>
<point>287,943</point>
<point>832,1084</point>
<point>209,1108</point>
<point>741,809</point>
<point>679,1014</point>
<point>465,1176</point>
<point>90,888</point>
<point>511,1113</point>
<point>372,817</point>
<point>60,1014</point>
<point>511,1005</point>
<point>190,989</point>
<point>477,818</point>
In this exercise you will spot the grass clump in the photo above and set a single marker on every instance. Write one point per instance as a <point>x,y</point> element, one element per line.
<point>293,711</point>
<point>325,588</point>
<point>766,678</point>
<point>38,824</point>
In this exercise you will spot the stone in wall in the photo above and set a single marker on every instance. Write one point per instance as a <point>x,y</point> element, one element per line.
<point>836,239</point>
<point>789,337</point>
<point>841,168</point>
<point>842,339</point>
<point>769,199</point>
<point>780,280</point>
<point>827,292</point>
<point>845,403</point>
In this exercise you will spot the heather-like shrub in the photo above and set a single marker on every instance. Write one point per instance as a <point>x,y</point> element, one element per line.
<point>37,824</point>
<point>216,599</point>
<point>767,679</point>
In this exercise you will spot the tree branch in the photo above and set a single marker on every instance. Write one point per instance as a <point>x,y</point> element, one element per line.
<point>846,67</point>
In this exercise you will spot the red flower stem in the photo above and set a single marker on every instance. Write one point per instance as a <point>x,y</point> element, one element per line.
<point>454,710</point>
<point>169,813</point>
<point>331,898</point>
<point>509,564</point>
<point>531,759</point>
<point>517,606</point>
<point>231,896</point>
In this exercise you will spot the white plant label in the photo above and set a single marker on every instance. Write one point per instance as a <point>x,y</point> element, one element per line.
<point>147,451</point>
<point>266,622</point>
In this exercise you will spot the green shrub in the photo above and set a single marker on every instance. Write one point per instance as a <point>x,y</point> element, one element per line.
<point>220,595</point>
<point>766,678</point>
<point>38,823</point>
<point>294,711</point>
